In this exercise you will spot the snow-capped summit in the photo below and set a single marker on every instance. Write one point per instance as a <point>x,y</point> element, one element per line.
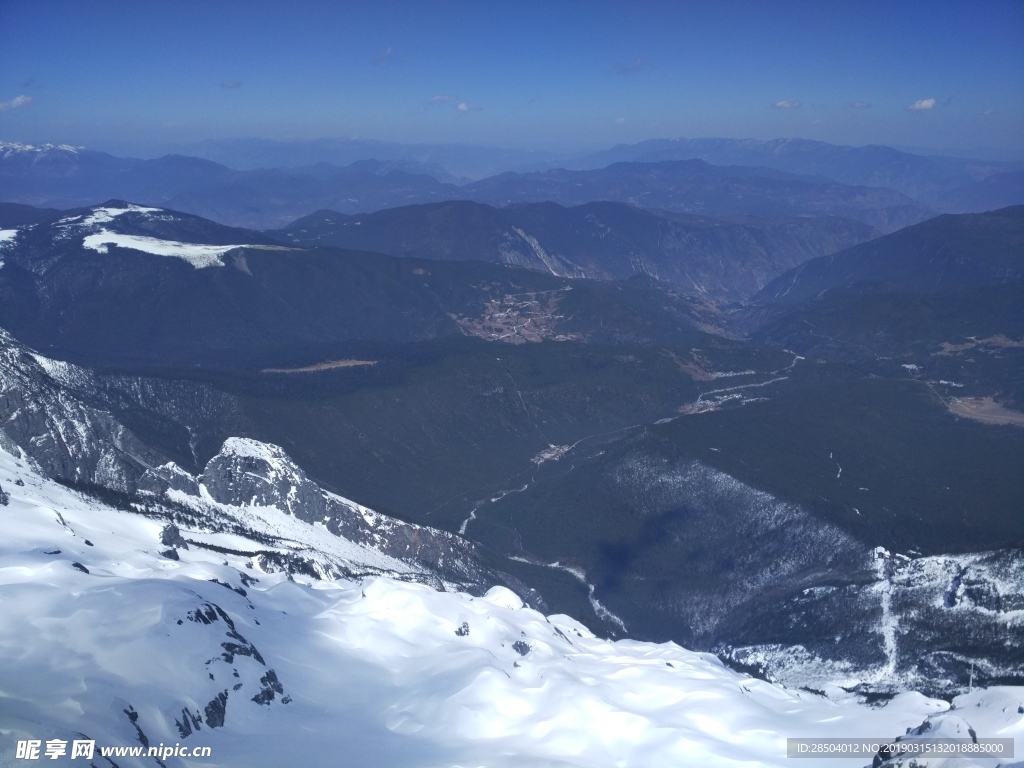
<point>8,148</point>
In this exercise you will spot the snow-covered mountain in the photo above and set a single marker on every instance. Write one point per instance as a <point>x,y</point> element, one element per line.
<point>28,154</point>
<point>108,635</point>
<point>254,490</point>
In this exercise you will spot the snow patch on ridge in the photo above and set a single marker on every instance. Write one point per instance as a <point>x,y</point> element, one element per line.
<point>105,214</point>
<point>100,238</point>
<point>6,238</point>
<point>199,256</point>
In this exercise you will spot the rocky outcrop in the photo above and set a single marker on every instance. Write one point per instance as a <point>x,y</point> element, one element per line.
<point>170,536</point>
<point>248,473</point>
<point>69,438</point>
<point>75,424</point>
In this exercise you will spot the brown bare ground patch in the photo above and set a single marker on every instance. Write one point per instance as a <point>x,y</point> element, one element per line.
<point>986,410</point>
<point>324,366</point>
<point>990,345</point>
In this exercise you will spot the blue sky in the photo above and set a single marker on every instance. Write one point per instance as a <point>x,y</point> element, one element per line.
<point>144,75</point>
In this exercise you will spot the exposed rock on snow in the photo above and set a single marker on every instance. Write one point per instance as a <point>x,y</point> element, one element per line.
<point>73,440</point>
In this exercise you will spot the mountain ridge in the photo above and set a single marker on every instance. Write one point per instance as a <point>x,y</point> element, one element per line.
<point>925,177</point>
<point>720,259</point>
<point>960,250</point>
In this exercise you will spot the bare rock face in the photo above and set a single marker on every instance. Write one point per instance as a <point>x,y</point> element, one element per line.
<point>72,422</point>
<point>169,477</point>
<point>70,439</point>
<point>170,536</point>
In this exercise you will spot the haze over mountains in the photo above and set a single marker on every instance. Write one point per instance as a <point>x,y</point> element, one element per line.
<point>464,161</point>
<point>918,176</point>
<point>882,187</point>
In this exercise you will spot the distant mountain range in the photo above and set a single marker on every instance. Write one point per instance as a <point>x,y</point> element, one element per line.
<point>694,186</point>
<point>66,177</point>
<point>925,178</point>
<point>465,161</point>
<point>999,190</point>
<point>793,178</point>
<point>720,259</point>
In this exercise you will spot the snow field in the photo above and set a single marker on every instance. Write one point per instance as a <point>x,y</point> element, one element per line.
<point>375,672</point>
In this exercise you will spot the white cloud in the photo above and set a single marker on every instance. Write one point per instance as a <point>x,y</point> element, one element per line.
<point>17,101</point>
<point>231,84</point>
<point>620,120</point>
<point>988,112</point>
<point>385,55</point>
<point>442,98</point>
<point>786,104</point>
<point>922,104</point>
<point>467,107</point>
<point>856,105</point>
